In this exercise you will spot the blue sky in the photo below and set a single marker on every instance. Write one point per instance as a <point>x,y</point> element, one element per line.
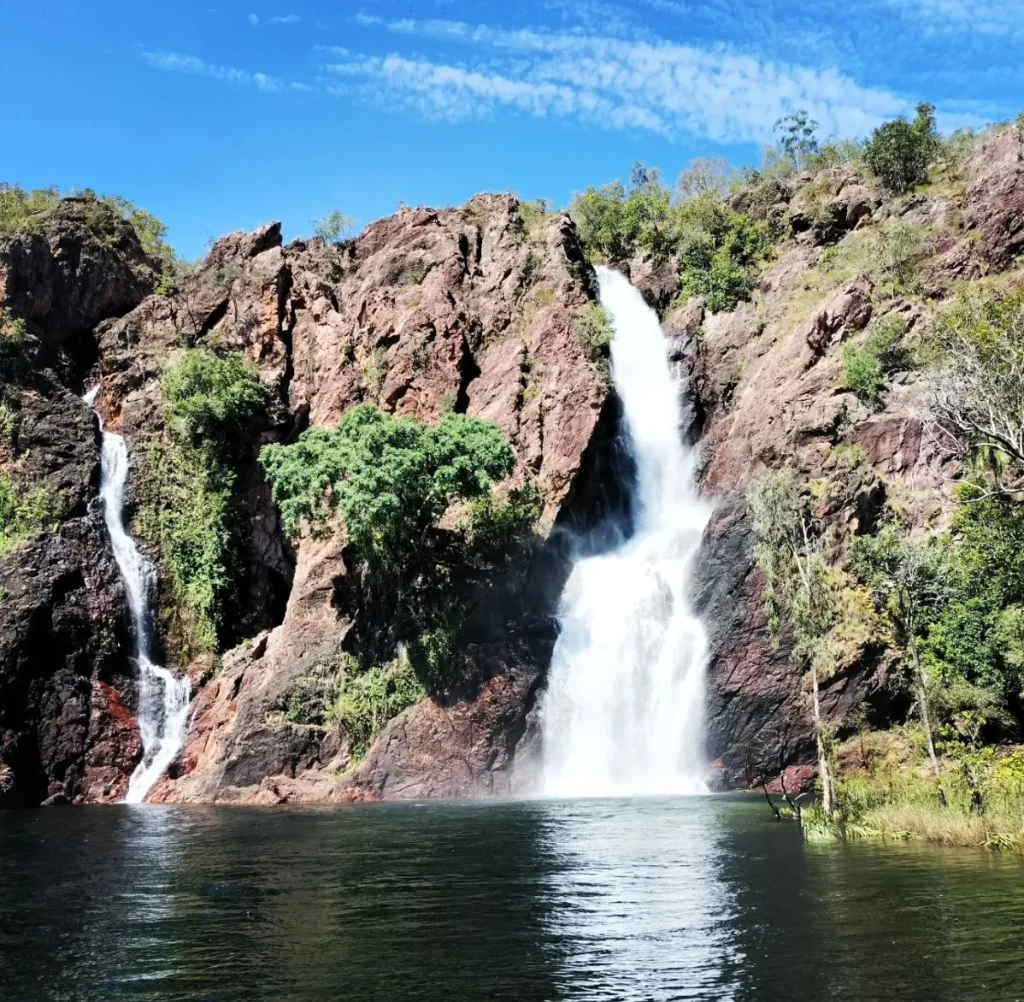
<point>219,115</point>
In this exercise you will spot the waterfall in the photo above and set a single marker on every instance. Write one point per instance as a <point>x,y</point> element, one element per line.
<point>163,699</point>
<point>623,714</point>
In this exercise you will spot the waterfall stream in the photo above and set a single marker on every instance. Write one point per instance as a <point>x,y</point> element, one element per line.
<point>163,699</point>
<point>623,714</point>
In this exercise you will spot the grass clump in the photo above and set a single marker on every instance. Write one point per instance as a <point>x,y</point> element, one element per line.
<point>866,368</point>
<point>25,512</point>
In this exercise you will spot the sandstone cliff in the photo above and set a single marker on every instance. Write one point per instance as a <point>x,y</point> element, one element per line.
<point>474,310</point>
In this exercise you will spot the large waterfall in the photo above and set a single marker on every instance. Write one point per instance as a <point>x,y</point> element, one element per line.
<point>623,714</point>
<point>163,699</point>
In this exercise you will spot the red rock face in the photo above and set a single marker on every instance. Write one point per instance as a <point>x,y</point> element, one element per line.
<point>467,309</point>
<point>425,312</point>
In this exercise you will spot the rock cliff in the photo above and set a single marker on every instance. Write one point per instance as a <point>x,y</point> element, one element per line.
<point>475,310</point>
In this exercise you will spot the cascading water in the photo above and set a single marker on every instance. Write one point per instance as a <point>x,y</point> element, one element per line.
<point>623,715</point>
<point>163,699</point>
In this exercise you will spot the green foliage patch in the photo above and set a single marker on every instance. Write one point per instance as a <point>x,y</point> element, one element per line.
<point>899,152</point>
<point>215,406</point>
<point>369,697</point>
<point>390,478</point>
<point>25,512</point>
<point>717,246</point>
<point>866,368</point>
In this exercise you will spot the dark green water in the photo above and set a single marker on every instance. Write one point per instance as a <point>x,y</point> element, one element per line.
<point>700,898</point>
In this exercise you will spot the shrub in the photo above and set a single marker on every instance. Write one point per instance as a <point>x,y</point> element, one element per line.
<point>12,344</point>
<point>18,206</point>
<point>375,372</point>
<point>865,368</point>
<point>899,152</point>
<point>390,478</point>
<point>334,227</point>
<point>862,373</point>
<point>532,216</point>
<point>214,401</point>
<point>369,698</point>
<point>899,250</point>
<point>592,328</point>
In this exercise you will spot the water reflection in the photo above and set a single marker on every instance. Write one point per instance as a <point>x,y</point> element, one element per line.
<point>701,898</point>
<point>640,906</point>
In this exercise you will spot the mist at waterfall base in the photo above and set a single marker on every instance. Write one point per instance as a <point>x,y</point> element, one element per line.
<point>623,714</point>
<point>163,699</point>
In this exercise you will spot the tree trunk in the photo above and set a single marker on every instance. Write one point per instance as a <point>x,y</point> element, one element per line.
<point>926,718</point>
<point>823,769</point>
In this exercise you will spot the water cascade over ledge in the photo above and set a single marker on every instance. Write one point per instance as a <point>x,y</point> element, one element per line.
<point>623,714</point>
<point>163,698</point>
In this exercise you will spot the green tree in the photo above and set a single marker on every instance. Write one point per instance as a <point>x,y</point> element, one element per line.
<point>900,152</point>
<point>909,583</point>
<point>334,227</point>
<point>802,592</point>
<point>391,479</point>
<point>797,138</point>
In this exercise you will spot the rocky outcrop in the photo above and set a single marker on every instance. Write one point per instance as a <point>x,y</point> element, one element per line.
<point>426,311</point>
<point>77,265</point>
<point>66,730</point>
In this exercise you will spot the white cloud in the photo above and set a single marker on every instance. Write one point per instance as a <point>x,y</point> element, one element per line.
<point>278,19</point>
<point>174,62</point>
<point>657,86</point>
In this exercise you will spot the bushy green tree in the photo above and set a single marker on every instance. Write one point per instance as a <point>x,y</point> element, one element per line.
<point>976,636</point>
<point>900,152</point>
<point>214,401</point>
<point>390,478</point>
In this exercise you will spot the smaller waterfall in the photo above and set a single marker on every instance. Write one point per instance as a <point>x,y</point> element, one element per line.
<point>163,699</point>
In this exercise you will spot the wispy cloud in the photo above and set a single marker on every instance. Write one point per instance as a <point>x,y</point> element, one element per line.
<point>964,17</point>
<point>655,85</point>
<point>255,21</point>
<point>174,62</point>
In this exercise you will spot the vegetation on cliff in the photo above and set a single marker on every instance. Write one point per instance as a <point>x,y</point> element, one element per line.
<point>947,608</point>
<point>393,481</point>
<point>717,246</point>
<point>190,509</point>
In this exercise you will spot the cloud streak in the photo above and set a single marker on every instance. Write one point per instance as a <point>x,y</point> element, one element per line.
<point>658,86</point>
<point>174,62</point>
<point>255,21</point>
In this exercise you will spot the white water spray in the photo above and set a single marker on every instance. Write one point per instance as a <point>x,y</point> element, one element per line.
<point>623,715</point>
<point>163,699</point>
